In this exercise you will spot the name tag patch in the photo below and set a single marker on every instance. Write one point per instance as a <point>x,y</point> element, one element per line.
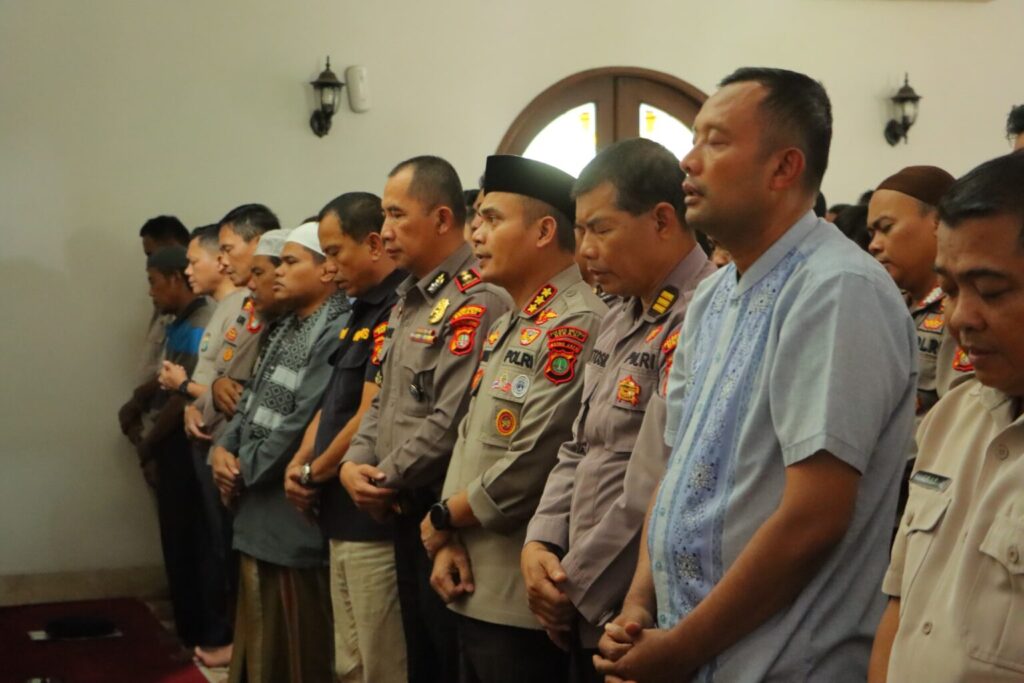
<point>930,480</point>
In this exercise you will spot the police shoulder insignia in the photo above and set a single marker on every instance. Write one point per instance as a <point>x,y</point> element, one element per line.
<point>343,333</point>
<point>437,314</point>
<point>438,283</point>
<point>666,298</point>
<point>961,361</point>
<point>671,343</point>
<point>471,312</point>
<point>505,422</point>
<point>652,335</point>
<point>628,391</point>
<point>528,335</point>
<point>467,279</point>
<point>477,376</point>
<point>361,334</point>
<point>462,340</point>
<point>564,346</point>
<point>379,335</point>
<point>464,323</point>
<point>229,353</point>
<point>541,299</point>
<point>933,322</point>
<point>545,316</point>
<point>493,337</point>
<point>231,335</point>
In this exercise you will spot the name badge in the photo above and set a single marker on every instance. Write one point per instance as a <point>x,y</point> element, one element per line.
<point>930,480</point>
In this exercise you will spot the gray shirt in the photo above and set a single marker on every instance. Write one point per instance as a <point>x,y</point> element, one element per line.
<point>811,349</point>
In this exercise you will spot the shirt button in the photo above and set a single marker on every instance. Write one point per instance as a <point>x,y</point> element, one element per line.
<point>1013,554</point>
<point>926,628</point>
<point>657,565</point>
<point>1002,452</point>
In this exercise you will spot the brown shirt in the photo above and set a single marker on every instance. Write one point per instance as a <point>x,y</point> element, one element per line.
<point>595,499</point>
<point>526,396</point>
<point>430,350</point>
<point>958,560</point>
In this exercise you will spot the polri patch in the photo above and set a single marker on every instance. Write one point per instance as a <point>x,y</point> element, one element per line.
<point>930,480</point>
<point>505,422</point>
<point>462,340</point>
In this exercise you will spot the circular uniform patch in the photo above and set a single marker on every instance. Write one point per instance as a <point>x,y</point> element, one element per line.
<point>229,353</point>
<point>505,422</point>
<point>520,385</point>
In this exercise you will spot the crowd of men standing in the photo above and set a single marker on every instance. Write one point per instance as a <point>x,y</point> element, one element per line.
<point>535,434</point>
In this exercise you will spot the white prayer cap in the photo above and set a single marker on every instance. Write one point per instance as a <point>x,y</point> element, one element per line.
<point>307,235</point>
<point>271,243</point>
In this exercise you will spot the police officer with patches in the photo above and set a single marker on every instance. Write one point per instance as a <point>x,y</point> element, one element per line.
<point>429,351</point>
<point>582,542</point>
<point>526,393</point>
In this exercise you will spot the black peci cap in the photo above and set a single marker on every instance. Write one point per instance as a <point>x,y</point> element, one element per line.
<point>531,178</point>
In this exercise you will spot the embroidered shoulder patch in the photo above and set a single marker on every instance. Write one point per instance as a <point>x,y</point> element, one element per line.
<point>653,334</point>
<point>231,335</point>
<point>528,335</point>
<point>665,299</point>
<point>545,316</point>
<point>505,422</point>
<point>564,347</point>
<point>628,391</point>
<point>961,361</point>
<point>468,279</point>
<point>380,333</point>
<point>362,335</point>
<point>933,322</point>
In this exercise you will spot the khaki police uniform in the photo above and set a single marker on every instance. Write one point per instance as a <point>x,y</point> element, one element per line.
<point>428,350</point>
<point>958,560</point>
<point>591,509</point>
<point>526,396</point>
<point>939,366</point>
<point>235,359</point>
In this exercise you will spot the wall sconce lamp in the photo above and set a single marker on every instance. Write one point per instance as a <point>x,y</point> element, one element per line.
<point>905,101</point>
<point>328,94</point>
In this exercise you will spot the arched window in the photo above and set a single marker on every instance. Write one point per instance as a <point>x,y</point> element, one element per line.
<point>569,122</point>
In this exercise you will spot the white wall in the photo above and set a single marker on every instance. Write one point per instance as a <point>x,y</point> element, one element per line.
<point>112,111</point>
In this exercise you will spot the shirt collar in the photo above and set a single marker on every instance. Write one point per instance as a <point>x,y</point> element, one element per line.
<point>935,295</point>
<point>196,304</point>
<point>998,404</point>
<point>688,268</point>
<point>382,289</point>
<point>557,285</point>
<point>456,262</point>
<point>796,234</point>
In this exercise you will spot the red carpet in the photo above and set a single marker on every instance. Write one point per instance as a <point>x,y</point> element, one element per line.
<point>146,653</point>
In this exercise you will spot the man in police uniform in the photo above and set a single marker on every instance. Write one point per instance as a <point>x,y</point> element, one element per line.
<point>582,542</point>
<point>956,578</point>
<point>430,350</point>
<point>526,394</point>
<point>902,219</point>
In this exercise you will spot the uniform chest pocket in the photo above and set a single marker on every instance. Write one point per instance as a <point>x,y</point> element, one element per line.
<point>504,396</point>
<point>632,390</point>
<point>920,523</point>
<point>417,380</point>
<point>993,625</point>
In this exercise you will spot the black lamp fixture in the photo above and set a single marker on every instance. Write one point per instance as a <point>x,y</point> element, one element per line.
<point>906,101</point>
<point>328,94</point>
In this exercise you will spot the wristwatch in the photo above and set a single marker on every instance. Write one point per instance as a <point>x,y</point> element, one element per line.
<point>441,516</point>
<point>183,388</point>
<point>306,474</point>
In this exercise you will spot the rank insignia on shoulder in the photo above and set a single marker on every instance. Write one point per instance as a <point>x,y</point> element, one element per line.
<point>438,283</point>
<point>361,334</point>
<point>665,299</point>
<point>343,333</point>
<point>933,322</point>
<point>438,313</point>
<point>229,353</point>
<point>231,335</point>
<point>467,279</point>
<point>930,480</point>
<point>424,335</point>
<point>540,300</point>
<point>505,422</point>
<point>653,334</point>
<point>545,316</point>
<point>628,391</point>
<point>961,361</point>
<point>528,335</point>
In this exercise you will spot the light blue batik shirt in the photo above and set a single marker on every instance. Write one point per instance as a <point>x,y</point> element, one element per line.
<point>810,349</point>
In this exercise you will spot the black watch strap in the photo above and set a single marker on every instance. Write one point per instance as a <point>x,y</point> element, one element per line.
<point>441,516</point>
<point>183,387</point>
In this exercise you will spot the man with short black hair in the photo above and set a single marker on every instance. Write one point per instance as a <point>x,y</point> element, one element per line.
<point>429,350</point>
<point>954,582</point>
<point>369,644</point>
<point>1015,126</point>
<point>282,625</point>
<point>159,438</point>
<point>581,544</point>
<point>788,419</point>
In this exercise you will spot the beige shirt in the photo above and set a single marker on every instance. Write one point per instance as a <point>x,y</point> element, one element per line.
<point>237,349</point>
<point>958,560</point>
<point>595,499</point>
<point>939,366</point>
<point>526,396</point>
<point>430,349</point>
